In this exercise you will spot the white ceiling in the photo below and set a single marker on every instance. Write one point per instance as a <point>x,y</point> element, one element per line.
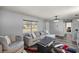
<point>45,12</point>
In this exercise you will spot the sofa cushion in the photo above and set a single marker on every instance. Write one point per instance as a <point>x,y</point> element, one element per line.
<point>17,45</point>
<point>7,39</point>
<point>33,35</point>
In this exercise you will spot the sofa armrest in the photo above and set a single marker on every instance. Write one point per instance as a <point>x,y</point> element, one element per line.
<point>0,48</point>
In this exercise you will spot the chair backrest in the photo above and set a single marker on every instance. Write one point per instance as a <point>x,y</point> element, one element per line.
<point>3,41</point>
<point>18,38</point>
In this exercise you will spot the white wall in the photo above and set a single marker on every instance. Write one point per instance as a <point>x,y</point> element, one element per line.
<point>0,22</point>
<point>46,28</point>
<point>12,23</point>
<point>41,25</point>
<point>57,27</point>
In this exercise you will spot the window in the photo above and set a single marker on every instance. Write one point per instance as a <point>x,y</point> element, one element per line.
<point>68,24</point>
<point>29,26</point>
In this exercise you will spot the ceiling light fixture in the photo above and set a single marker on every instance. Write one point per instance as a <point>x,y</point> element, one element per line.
<point>56,19</point>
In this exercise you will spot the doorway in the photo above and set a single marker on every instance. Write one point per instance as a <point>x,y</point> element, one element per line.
<point>68,26</point>
<point>68,29</point>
